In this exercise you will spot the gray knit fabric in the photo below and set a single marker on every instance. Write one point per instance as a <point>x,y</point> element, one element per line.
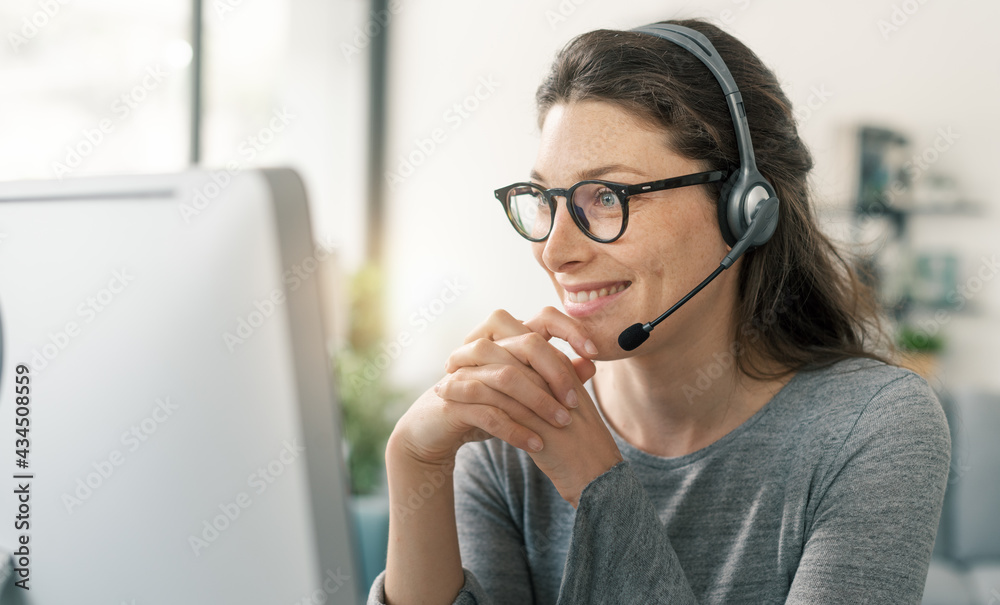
<point>830,493</point>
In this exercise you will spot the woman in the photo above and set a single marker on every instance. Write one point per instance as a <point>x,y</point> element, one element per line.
<point>755,449</point>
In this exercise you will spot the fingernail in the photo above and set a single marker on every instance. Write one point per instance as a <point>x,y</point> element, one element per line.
<point>437,387</point>
<point>535,444</point>
<point>590,347</point>
<point>562,417</point>
<point>571,399</point>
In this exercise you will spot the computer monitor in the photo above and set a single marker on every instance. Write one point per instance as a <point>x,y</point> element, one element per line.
<point>169,427</point>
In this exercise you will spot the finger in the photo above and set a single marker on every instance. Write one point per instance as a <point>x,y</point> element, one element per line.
<point>500,324</point>
<point>476,434</point>
<point>534,350</point>
<point>507,388</point>
<point>551,322</point>
<point>496,422</point>
<point>482,352</point>
<point>585,369</point>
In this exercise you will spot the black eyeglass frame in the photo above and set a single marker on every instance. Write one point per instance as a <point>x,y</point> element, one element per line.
<point>624,192</point>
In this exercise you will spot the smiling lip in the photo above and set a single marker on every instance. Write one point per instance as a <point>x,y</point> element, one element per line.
<point>585,299</point>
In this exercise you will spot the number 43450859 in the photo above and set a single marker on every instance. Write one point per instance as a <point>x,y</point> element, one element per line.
<point>23,420</point>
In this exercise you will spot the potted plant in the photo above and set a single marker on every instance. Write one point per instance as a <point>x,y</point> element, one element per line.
<point>919,350</point>
<point>367,403</point>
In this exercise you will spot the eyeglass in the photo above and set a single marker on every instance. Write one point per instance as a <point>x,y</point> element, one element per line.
<point>599,208</point>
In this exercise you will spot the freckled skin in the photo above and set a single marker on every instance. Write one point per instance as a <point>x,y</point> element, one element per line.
<point>671,244</point>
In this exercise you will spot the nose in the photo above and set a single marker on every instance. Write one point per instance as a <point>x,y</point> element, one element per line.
<point>566,243</point>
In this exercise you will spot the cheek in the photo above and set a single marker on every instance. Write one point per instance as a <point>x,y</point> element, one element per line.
<point>685,238</point>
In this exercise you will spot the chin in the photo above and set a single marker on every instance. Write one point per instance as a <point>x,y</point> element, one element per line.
<point>604,331</point>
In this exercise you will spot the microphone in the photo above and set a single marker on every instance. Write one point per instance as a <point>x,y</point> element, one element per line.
<point>759,231</point>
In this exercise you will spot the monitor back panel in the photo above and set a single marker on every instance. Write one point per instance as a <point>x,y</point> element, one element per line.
<point>183,440</point>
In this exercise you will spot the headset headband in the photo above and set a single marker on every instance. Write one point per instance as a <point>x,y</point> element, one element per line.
<point>697,44</point>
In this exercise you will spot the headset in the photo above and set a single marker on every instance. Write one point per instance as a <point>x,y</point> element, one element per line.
<point>748,205</point>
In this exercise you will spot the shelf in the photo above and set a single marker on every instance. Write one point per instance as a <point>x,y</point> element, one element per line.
<point>962,209</point>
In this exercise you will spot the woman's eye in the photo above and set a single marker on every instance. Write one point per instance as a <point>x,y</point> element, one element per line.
<point>607,198</point>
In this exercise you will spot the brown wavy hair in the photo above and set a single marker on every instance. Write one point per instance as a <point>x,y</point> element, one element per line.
<point>801,302</point>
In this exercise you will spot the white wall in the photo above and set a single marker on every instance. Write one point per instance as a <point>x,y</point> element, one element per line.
<point>938,70</point>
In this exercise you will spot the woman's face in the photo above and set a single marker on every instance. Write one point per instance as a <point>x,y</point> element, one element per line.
<point>671,244</point>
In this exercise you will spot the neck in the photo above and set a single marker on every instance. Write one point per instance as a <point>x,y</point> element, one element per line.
<point>677,400</point>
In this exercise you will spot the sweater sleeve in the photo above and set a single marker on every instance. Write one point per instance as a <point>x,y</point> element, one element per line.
<point>871,530</point>
<point>491,542</point>
<point>620,552</point>
<point>492,548</point>
<point>470,594</point>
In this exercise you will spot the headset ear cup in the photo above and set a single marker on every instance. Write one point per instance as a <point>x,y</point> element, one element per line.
<point>723,208</point>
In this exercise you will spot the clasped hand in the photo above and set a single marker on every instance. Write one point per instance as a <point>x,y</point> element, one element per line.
<point>510,382</point>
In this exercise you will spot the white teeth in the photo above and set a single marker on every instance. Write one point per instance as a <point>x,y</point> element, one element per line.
<point>582,297</point>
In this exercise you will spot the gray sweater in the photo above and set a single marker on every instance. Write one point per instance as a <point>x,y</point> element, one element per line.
<point>830,493</point>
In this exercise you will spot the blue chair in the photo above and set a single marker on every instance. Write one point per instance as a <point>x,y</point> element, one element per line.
<point>371,523</point>
<point>965,568</point>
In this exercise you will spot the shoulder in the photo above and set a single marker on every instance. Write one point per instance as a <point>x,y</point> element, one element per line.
<point>862,409</point>
<point>864,391</point>
<point>859,379</point>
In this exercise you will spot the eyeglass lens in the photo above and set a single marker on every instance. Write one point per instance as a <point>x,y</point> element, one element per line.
<point>598,211</point>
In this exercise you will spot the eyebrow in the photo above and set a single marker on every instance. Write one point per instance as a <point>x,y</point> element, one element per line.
<point>590,173</point>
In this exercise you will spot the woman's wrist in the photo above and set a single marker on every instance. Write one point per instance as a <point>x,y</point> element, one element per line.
<point>591,475</point>
<point>399,451</point>
<point>423,562</point>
